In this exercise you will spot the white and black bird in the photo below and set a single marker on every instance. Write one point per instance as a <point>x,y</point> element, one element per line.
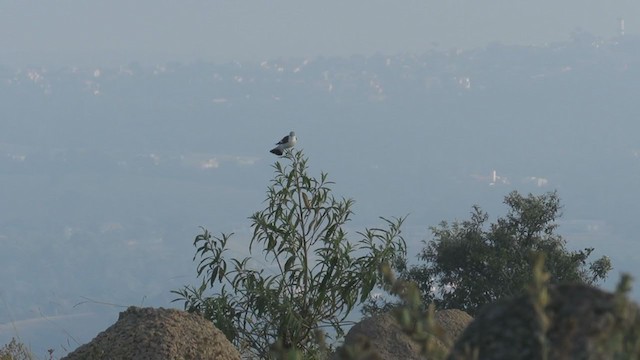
<point>287,142</point>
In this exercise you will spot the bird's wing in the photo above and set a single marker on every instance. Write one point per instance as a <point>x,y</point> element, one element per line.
<point>284,140</point>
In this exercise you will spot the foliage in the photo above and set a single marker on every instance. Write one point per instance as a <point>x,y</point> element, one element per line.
<point>15,350</point>
<point>413,319</point>
<point>624,341</point>
<point>539,294</point>
<point>469,264</point>
<point>613,333</point>
<point>416,321</point>
<point>313,277</point>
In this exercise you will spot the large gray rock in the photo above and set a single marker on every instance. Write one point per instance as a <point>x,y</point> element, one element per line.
<point>158,334</point>
<point>583,323</point>
<point>380,337</point>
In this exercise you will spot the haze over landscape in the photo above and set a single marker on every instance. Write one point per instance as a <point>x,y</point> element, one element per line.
<point>99,33</point>
<point>126,127</point>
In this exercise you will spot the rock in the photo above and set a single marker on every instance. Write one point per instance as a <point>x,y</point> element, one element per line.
<point>584,323</point>
<point>453,322</point>
<point>157,334</point>
<point>380,337</point>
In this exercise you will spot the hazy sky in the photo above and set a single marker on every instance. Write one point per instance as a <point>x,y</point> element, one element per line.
<point>68,32</point>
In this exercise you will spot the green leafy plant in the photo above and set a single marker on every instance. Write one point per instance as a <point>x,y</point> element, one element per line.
<point>15,350</point>
<point>539,293</point>
<point>468,264</point>
<point>623,342</point>
<point>414,319</point>
<point>314,275</point>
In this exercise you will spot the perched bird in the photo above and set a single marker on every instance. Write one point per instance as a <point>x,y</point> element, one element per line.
<point>286,143</point>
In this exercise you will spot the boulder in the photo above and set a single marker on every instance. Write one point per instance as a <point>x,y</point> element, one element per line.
<point>380,337</point>
<point>158,334</point>
<point>582,323</point>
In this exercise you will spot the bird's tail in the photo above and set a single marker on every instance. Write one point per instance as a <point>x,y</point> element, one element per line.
<point>276,151</point>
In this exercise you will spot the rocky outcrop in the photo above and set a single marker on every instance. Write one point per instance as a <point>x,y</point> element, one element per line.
<point>158,334</point>
<point>582,323</point>
<point>380,337</point>
<point>453,322</point>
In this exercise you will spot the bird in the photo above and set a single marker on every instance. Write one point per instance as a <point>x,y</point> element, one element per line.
<point>287,142</point>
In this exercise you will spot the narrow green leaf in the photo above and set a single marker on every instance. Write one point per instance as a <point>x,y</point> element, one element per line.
<point>289,263</point>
